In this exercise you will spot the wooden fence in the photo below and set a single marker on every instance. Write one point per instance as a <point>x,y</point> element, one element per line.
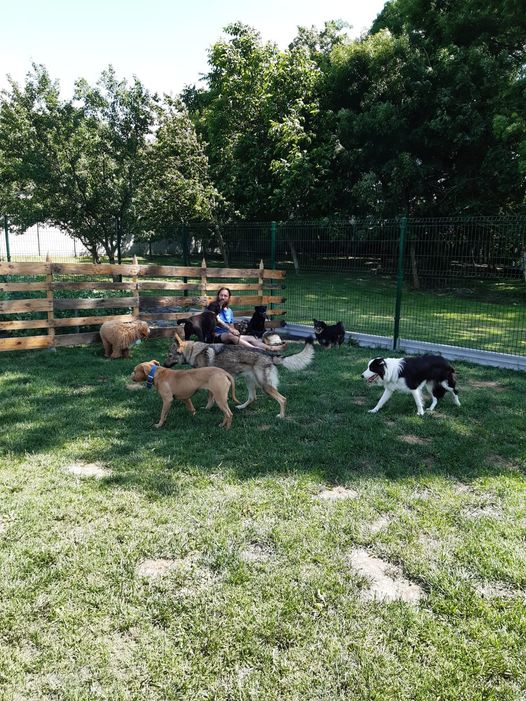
<point>52,286</point>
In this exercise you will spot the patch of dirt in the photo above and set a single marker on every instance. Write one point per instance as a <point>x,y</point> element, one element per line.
<point>486,384</point>
<point>337,493</point>
<point>360,401</point>
<point>155,568</point>
<point>493,590</point>
<point>483,511</point>
<point>386,581</point>
<point>379,524</point>
<point>255,552</point>
<point>461,488</point>
<point>192,577</point>
<point>500,461</point>
<point>88,470</point>
<point>264,427</point>
<point>134,386</point>
<point>413,440</point>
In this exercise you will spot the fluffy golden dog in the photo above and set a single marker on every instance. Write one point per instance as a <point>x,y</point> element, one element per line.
<point>183,384</point>
<point>117,336</point>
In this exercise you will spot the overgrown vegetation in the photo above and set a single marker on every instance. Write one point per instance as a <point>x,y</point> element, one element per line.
<point>259,598</point>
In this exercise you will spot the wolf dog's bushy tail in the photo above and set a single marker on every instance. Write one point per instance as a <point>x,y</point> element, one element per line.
<point>298,361</point>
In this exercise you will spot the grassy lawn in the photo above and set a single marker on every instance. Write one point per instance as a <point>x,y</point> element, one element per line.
<point>243,565</point>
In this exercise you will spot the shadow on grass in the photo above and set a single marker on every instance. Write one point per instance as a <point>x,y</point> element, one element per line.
<point>74,405</point>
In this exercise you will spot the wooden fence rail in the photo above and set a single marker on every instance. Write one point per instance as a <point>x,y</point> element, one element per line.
<point>55,300</point>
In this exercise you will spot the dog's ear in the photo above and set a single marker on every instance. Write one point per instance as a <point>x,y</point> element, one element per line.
<point>178,340</point>
<point>154,362</point>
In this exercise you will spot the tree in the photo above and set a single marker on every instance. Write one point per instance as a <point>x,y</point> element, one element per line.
<point>82,164</point>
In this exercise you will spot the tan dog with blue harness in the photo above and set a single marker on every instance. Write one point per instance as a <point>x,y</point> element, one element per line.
<point>183,384</point>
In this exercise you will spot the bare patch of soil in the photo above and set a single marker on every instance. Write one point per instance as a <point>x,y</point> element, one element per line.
<point>413,440</point>
<point>493,590</point>
<point>264,427</point>
<point>360,401</point>
<point>336,494</point>
<point>379,524</point>
<point>155,568</point>
<point>483,511</point>
<point>487,384</point>
<point>386,581</point>
<point>88,470</point>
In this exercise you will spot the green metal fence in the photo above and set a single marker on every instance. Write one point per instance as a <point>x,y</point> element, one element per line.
<point>455,281</point>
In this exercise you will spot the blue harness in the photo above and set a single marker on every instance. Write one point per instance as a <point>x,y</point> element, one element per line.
<point>149,379</point>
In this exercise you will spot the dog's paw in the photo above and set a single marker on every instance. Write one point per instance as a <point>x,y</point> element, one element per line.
<point>372,411</point>
<point>157,425</point>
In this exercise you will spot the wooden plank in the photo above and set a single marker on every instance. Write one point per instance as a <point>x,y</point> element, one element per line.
<point>249,286</point>
<point>170,285</point>
<point>102,303</point>
<point>274,274</point>
<point>26,324</point>
<point>23,286</point>
<point>247,301</point>
<point>162,332</point>
<point>23,268</point>
<point>169,271</point>
<point>13,306</point>
<point>92,269</point>
<point>232,272</point>
<point>91,320</point>
<point>24,343</point>
<point>168,316</point>
<point>93,285</point>
<point>147,303</point>
<point>77,339</point>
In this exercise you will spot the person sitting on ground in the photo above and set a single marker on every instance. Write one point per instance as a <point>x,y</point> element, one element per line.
<point>225,331</point>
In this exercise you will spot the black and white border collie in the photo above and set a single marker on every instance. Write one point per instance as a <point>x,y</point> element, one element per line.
<point>410,375</point>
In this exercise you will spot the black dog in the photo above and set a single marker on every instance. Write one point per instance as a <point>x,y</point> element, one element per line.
<point>202,325</point>
<point>329,336</point>
<point>256,325</point>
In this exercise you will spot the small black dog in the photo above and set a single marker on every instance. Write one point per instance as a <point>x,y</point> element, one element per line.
<point>329,336</point>
<point>202,325</point>
<point>256,325</point>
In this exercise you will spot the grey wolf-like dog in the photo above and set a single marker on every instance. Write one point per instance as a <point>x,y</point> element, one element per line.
<point>258,367</point>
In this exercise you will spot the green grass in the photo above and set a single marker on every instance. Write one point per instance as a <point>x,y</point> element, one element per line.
<point>288,620</point>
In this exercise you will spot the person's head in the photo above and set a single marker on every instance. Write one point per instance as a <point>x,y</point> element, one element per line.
<point>223,296</point>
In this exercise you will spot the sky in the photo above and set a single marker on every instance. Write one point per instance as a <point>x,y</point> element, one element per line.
<point>162,42</point>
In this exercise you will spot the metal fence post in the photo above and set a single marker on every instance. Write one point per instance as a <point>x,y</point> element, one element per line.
<point>184,246</point>
<point>6,229</point>
<point>399,282</point>
<point>273,236</point>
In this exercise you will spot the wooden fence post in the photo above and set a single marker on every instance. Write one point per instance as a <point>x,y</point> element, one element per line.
<point>136,296</point>
<point>204,301</point>
<point>50,299</point>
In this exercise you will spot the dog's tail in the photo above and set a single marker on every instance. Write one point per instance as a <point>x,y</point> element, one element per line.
<point>298,361</point>
<point>233,387</point>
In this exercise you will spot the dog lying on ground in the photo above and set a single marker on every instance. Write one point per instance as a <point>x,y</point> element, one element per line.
<point>117,336</point>
<point>329,336</point>
<point>183,384</point>
<point>256,325</point>
<point>202,325</point>
<point>410,375</point>
<point>257,366</point>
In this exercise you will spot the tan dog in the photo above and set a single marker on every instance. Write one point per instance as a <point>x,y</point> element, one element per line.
<point>182,384</point>
<point>117,336</point>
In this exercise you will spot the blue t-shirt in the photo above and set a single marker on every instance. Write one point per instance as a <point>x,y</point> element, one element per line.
<point>226,315</point>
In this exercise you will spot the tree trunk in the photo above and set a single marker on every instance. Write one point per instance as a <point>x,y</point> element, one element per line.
<point>293,254</point>
<point>222,245</point>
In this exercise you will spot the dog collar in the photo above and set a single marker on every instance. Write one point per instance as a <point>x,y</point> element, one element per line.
<point>149,379</point>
